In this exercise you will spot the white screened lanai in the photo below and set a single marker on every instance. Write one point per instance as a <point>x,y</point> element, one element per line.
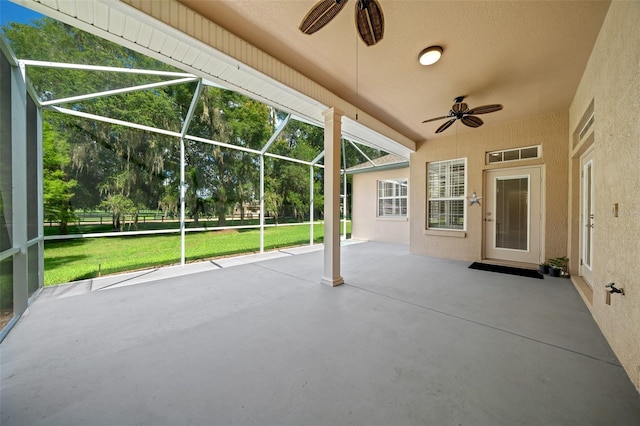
<point>46,102</point>
<point>22,250</point>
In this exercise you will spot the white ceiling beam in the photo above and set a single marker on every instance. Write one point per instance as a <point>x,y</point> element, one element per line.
<point>362,153</point>
<point>118,91</point>
<point>50,64</point>
<point>276,133</point>
<point>318,158</point>
<point>113,121</point>
<point>192,108</point>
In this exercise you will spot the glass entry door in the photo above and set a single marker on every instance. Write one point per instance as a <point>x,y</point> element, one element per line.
<point>512,215</point>
<point>587,218</point>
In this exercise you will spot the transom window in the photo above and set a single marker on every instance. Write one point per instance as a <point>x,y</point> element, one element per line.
<point>513,154</point>
<point>446,205</point>
<point>392,198</point>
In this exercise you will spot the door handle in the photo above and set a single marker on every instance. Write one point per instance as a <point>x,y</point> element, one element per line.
<point>589,225</point>
<point>488,219</point>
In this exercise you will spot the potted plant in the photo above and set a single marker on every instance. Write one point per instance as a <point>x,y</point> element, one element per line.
<point>558,266</point>
<point>543,268</point>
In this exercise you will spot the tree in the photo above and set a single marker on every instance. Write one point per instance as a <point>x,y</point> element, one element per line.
<point>301,141</point>
<point>119,206</point>
<point>228,176</point>
<point>57,187</point>
<point>102,153</point>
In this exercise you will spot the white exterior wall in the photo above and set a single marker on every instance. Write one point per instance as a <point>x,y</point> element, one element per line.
<point>366,225</point>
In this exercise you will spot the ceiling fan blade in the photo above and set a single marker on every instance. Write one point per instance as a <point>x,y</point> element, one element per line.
<point>445,126</point>
<point>459,107</point>
<point>436,119</point>
<point>370,21</point>
<point>472,121</point>
<point>320,15</point>
<point>485,109</point>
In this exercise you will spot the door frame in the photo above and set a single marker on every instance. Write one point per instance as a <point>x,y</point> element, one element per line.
<point>518,170</point>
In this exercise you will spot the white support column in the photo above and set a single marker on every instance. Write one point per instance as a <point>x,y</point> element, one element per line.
<point>261,203</point>
<point>40,199</point>
<point>183,183</point>
<point>332,136</point>
<point>311,194</point>
<point>344,193</point>
<point>183,188</point>
<point>263,152</point>
<point>310,205</point>
<point>19,190</point>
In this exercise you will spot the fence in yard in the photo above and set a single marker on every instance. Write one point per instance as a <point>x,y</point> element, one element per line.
<point>149,216</point>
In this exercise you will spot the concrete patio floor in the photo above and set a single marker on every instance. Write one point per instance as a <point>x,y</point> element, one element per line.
<point>407,340</point>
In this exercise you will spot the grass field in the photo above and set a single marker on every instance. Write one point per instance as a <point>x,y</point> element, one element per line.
<point>73,260</point>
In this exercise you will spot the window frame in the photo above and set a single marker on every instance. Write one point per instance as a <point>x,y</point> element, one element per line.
<point>397,182</point>
<point>491,157</point>
<point>447,199</point>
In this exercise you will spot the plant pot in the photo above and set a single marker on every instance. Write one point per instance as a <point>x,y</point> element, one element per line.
<point>543,269</point>
<point>555,272</point>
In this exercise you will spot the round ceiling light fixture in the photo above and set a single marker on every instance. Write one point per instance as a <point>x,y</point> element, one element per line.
<point>430,55</point>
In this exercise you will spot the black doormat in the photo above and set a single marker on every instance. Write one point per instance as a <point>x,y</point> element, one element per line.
<point>531,273</point>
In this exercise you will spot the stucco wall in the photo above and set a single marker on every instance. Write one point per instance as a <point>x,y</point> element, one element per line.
<point>550,131</point>
<point>612,81</point>
<point>366,225</point>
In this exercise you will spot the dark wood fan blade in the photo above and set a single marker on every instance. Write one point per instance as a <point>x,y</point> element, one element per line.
<point>435,119</point>
<point>485,109</point>
<point>370,21</point>
<point>445,126</point>
<point>320,15</point>
<point>472,121</point>
<point>459,107</point>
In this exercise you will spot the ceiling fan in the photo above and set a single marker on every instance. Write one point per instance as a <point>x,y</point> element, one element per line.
<point>460,111</point>
<point>369,18</point>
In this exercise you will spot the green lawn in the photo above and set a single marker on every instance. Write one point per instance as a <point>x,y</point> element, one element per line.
<point>72,260</point>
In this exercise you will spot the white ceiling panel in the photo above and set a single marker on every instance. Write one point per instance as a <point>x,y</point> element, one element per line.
<point>67,7</point>
<point>131,29</point>
<point>116,22</point>
<point>53,4</point>
<point>200,61</point>
<point>169,47</point>
<point>157,40</point>
<point>101,16</point>
<point>84,10</point>
<point>191,55</point>
<point>144,35</point>
<point>181,52</point>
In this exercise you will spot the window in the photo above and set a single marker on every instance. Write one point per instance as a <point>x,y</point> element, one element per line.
<point>392,198</point>
<point>513,154</point>
<point>446,194</point>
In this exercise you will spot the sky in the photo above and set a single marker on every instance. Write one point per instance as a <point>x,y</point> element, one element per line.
<point>11,12</point>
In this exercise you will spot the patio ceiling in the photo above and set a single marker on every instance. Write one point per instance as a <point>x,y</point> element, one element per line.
<point>527,55</point>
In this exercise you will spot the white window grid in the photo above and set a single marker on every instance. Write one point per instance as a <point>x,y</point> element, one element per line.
<point>446,188</point>
<point>393,198</point>
<point>516,154</point>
